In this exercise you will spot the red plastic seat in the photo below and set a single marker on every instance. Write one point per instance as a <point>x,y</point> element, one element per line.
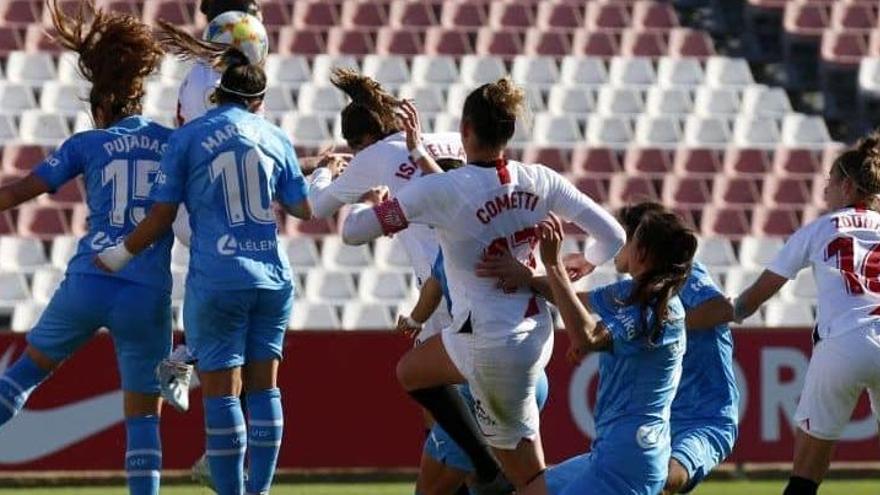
<point>505,43</point>
<point>365,14</point>
<point>316,13</point>
<point>519,15</point>
<point>796,162</point>
<point>806,19</point>
<point>546,42</point>
<point>686,192</point>
<point>20,13</point>
<point>42,222</point>
<point>399,41</point>
<point>625,189</point>
<point>349,41</point>
<point>122,6</point>
<point>789,192</point>
<point>447,41</point>
<point>654,15</point>
<point>654,162</point>
<point>854,16</point>
<point>556,158</point>
<point>559,15</point>
<point>7,226</point>
<point>697,162</point>
<point>71,193</point>
<point>458,14</point>
<point>601,15</point>
<point>301,41</point>
<point>597,189</point>
<point>726,222</point>
<point>10,40</point>
<point>68,7</point>
<point>844,47</point>
<point>595,43</point>
<point>39,39</point>
<point>20,159</point>
<point>595,162</point>
<point>775,222</point>
<point>414,13</point>
<point>685,42</point>
<point>737,192</point>
<point>643,44</point>
<point>276,13</point>
<point>746,162</point>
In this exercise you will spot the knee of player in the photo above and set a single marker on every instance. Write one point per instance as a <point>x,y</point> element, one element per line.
<point>405,373</point>
<point>676,479</point>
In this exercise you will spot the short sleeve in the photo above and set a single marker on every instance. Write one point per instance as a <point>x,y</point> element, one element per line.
<point>621,321</point>
<point>292,187</point>
<point>795,254</point>
<point>361,174</point>
<point>171,180</point>
<point>61,166</point>
<point>698,288</point>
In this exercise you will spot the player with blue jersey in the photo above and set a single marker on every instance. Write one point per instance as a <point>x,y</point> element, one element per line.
<point>227,167</point>
<point>118,162</point>
<point>642,339</point>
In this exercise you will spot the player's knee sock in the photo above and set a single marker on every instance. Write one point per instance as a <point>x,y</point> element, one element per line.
<point>265,426</point>
<point>225,439</point>
<point>16,386</point>
<point>800,486</point>
<point>450,411</point>
<point>143,455</point>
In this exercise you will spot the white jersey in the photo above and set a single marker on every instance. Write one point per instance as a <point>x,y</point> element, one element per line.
<point>483,210</point>
<point>843,248</point>
<point>194,96</point>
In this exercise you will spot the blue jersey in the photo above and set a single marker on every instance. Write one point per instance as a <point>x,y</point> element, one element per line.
<point>227,167</point>
<point>637,378</point>
<point>119,166</point>
<point>708,383</point>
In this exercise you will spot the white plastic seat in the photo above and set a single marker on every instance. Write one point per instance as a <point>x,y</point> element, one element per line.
<point>869,76</point>
<point>674,71</point>
<point>390,70</point>
<point>83,121</point>
<point>619,101</point>
<point>8,129</point>
<point>21,254</point>
<point>391,255</point>
<point>480,69</point>
<point>13,290</point>
<point>323,99</point>
<point>786,314</point>
<point>428,99</point>
<point>711,132</point>
<point>323,65</point>
<point>307,129</point>
<point>724,71</point>
<point>662,101</point>
<point>25,315</point>
<point>802,288</point>
<point>608,131</point>
<point>289,70</point>
<point>456,96</point>
<point>595,280</point>
<point>161,97</point>
<point>739,279</point>
<point>330,286</point>
<point>557,130</point>
<point>447,122</point>
<point>38,127</point>
<point>800,130</point>
<point>716,253</point>
<point>302,253</point>
<point>46,281</point>
<point>278,100</point>
<point>15,97</point>
<point>63,248</point>
<point>583,71</point>
<point>336,255</point>
<point>758,252</point>
<point>716,102</point>
<point>751,132</point>
<point>314,316</point>
<point>32,68</point>
<point>763,101</point>
<point>631,71</point>
<point>755,320</point>
<point>388,287</point>
<point>179,257</point>
<point>68,71</point>
<point>529,70</point>
<point>366,316</point>
<point>434,69</point>
<point>64,98</point>
<point>534,99</point>
<point>571,100</point>
<point>657,132</point>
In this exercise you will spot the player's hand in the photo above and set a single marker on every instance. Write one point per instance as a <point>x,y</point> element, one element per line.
<point>408,326</point>
<point>409,119</point>
<point>511,274</point>
<point>550,234</point>
<point>576,352</point>
<point>375,195</point>
<point>576,266</point>
<point>336,163</point>
<point>113,259</point>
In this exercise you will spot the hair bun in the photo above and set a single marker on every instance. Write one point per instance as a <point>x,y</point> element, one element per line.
<point>507,96</point>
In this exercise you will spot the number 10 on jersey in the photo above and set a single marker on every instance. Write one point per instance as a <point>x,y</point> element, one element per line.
<point>245,186</point>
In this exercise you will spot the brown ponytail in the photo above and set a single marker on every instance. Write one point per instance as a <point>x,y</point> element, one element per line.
<point>492,109</point>
<point>372,109</point>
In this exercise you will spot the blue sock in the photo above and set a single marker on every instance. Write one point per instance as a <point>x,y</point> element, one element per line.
<point>265,426</point>
<point>17,384</point>
<point>225,437</point>
<point>143,455</point>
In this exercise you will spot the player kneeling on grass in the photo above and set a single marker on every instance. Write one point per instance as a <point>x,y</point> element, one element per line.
<point>843,249</point>
<point>117,160</point>
<point>227,167</point>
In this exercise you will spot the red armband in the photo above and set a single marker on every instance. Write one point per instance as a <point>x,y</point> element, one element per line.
<point>391,217</point>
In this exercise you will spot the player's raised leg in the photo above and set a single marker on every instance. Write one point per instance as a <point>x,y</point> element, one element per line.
<point>20,380</point>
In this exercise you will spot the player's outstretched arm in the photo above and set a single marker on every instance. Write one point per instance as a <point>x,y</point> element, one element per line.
<point>757,294</point>
<point>16,193</point>
<point>157,222</point>
<point>301,210</point>
<point>363,223</point>
<point>710,314</point>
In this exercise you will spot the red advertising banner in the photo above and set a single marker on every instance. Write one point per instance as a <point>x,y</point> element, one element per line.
<point>344,409</point>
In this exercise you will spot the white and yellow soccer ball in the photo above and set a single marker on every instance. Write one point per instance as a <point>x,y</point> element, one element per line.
<point>242,31</point>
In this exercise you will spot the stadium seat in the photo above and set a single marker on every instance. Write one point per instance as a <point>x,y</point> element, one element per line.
<point>716,102</point>
<point>783,314</point>
<point>68,72</point>
<point>686,192</point>
<point>447,41</point>
<point>796,162</point>
<point>364,14</point>
<point>323,65</point>
<point>652,162</point>
<point>560,15</point>
<point>787,191</point>
<point>316,13</point>
<point>697,162</point>
<point>549,43</point>
<point>539,71</point>
<point>30,68</point>
<point>557,130</point>
<point>289,70</point>
<point>658,132</point>
<point>428,69</point>
<point>595,188</point>
<point>302,41</point>
<point>685,72</point>
<point>456,96</point>
<point>804,131</point>
<point>557,158</point>
<point>45,282</point>
<point>306,129</point>
<point>746,162</point>
<point>173,70</point>
<point>10,40</point>
<point>665,101</point>
<point>329,286</point>
<point>804,24</point>
<point>278,100</point>
<point>390,255</point>
<point>16,97</point>
<point>390,70</point>
<point>625,190</point>
<point>802,288</point>
<point>480,69</point>
<point>399,41</point>
<point>350,41</point>
<point>729,222</point>
<point>775,222</point>
<point>511,15</point>
<point>854,16</point>
<point>161,98</point>
<point>171,11</point>
<point>179,257</point>
<point>571,100</point>
<point>276,13</point>
<point>20,13</point>
<point>378,286</point>
<point>706,132</point>
<point>608,132</point>
<point>83,122</point>
<point>723,71</point>
<point>602,15</point>
<point>25,315</point>
<point>38,127</point>
<point>79,220</point>
<point>737,191</point>
<point>302,253</point>
<point>464,14</point>
<point>314,316</point>
<point>8,129</point>
<point>366,316</point>
<point>738,279</point>
<point>754,132</point>
<point>320,99</point>
<point>595,161</point>
<point>583,71</point>
<point>13,290</point>
<point>20,159</point>
<point>447,122</point>
<point>336,255</point>
<point>42,222</point>
<point>643,44</point>
<point>601,44</point>
<point>649,14</point>
<point>413,13</point>
<point>63,249</point>
<point>684,42</point>
<point>716,253</point>
<point>763,101</point>
<point>624,101</point>
<point>21,254</point>
<point>428,99</point>
<point>631,71</point>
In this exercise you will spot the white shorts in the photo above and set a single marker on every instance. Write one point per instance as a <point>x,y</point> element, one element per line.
<point>840,369</point>
<point>503,381</point>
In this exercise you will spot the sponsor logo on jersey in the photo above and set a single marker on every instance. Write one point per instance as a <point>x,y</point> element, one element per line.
<point>227,245</point>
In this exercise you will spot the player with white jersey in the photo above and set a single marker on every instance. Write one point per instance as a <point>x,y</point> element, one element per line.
<point>843,249</point>
<point>499,342</point>
<point>382,158</point>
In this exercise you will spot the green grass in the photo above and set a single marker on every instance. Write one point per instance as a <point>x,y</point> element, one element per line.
<point>710,488</point>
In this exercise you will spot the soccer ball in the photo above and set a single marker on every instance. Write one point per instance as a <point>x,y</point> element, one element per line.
<point>241,30</point>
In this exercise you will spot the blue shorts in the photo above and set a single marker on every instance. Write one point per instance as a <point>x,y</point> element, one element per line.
<point>228,328</point>
<point>701,447</point>
<point>138,317</point>
<point>443,449</point>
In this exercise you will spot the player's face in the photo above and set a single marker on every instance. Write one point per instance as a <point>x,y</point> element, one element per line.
<point>835,190</point>
<point>621,261</point>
